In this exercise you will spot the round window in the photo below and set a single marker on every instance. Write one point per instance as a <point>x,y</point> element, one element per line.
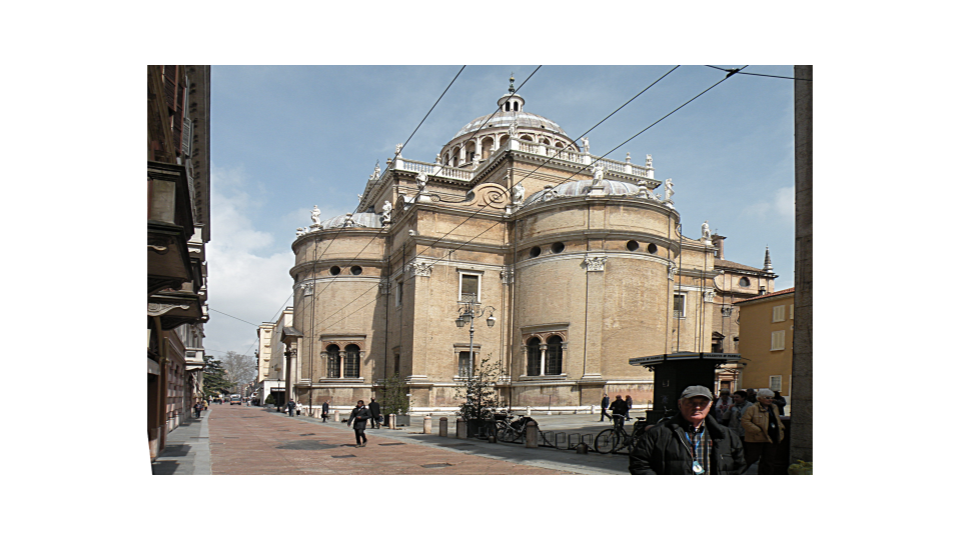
<point>651,249</point>
<point>335,270</point>
<point>557,247</point>
<point>356,270</point>
<point>633,245</point>
<point>744,282</point>
<point>534,251</point>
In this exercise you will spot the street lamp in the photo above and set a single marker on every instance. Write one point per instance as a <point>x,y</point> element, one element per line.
<point>470,312</point>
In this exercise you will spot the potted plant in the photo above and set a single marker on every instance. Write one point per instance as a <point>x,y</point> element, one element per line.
<point>395,400</point>
<point>480,398</point>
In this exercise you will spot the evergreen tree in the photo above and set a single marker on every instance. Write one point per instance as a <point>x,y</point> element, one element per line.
<point>215,380</point>
<point>479,392</point>
<point>395,400</point>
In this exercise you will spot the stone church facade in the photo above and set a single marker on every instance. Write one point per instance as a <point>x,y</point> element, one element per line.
<point>579,263</point>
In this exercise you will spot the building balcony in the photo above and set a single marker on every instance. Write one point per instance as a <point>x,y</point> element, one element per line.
<point>169,228</point>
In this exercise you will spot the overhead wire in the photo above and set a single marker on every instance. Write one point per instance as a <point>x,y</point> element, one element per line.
<point>420,191</point>
<point>483,206</point>
<point>330,242</point>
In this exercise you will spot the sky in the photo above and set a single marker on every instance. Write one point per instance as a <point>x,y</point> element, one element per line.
<point>285,138</point>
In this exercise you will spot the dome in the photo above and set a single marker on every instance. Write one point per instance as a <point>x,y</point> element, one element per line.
<point>502,119</point>
<point>582,187</point>
<point>365,219</point>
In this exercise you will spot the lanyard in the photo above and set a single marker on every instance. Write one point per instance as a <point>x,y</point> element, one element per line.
<point>695,451</point>
<point>694,447</point>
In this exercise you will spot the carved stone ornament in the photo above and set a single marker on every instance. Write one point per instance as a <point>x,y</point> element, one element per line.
<point>384,286</point>
<point>595,264</point>
<point>419,268</point>
<point>506,276</point>
<point>671,271</point>
<point>708,296</point>
<point>156,310</point>
<point>306,287</point>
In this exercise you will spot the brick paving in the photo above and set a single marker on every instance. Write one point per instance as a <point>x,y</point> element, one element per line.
<point>251,440</point>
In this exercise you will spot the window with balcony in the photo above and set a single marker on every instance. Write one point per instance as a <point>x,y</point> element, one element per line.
<point>679,306</point>
<point>469,287</point>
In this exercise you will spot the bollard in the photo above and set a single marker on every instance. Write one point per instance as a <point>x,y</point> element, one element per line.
<point>427,425</point>
<point>582,448</point>
<point>461,429</point>
<point>393,421</point>
<point>336,416</point>
<point>593,409</point>
<point>443,426</point>
<point>531,432</point>
<point>528,411</point>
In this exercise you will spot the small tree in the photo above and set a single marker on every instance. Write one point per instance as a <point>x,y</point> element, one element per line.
<point>479,392</point>
<point>395,399</point>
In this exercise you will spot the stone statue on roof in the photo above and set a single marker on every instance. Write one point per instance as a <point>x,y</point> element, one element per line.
<point>597,173</point>
<point>315,215</point>
<point>518,192</point>
<point>586,145</point>
<point>668,189</point>
<point>705,231</point>
<point>387,211</point>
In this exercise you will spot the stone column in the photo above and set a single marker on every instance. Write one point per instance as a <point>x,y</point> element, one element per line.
<point>543,361</point>
<point>801,397</point>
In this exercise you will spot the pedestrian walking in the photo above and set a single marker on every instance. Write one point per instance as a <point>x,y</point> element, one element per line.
<point>629,401</point>
<point>205,404</point>
<point>763,432</point>
<point>358,417</point>
<point>375,418</point>
<point>691,442</point>
<point>197,408</point>
<point>325,410</point>
<point>619,406</point>
<point>735,413</point>
<point>299,408</point>
<point>604,403</point>
<point>291,406</point>
<point>721,406</point>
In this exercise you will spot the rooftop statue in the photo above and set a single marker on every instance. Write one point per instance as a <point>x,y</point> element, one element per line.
<point>518,193</point>
<point>315,215</point>
<point>586,145</point>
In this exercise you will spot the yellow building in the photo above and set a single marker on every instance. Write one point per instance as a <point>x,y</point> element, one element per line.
<point>576,264</point>
<point>766,341</point>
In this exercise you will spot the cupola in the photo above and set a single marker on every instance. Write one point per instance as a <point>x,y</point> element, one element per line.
<point>510,102</point>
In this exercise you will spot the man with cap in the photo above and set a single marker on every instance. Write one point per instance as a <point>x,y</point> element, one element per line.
<point>692,442</point>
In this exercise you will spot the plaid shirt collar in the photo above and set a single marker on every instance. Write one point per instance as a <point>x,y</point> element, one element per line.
<point>699,443</point>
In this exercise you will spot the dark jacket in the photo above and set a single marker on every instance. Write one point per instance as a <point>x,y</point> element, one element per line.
<point>619,407</point>
<point>374,409</point>
<point>325,408</point>
<point>665,450</point>
<point>605,402</point>
<point>359,417</point>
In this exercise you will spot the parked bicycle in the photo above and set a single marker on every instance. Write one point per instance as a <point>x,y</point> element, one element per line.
<point>616,438</point>
<point>509,431</point>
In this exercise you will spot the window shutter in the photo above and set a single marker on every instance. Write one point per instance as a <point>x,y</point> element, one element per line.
<point>791,312</point>
<point>187,137</point>
<point>776,384</point>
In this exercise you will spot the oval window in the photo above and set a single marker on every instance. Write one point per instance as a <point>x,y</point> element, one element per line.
<point>534,251</point>
<point>335,270</point>
<point>633,245</point>
<point>744,282</point>
<point>651,249</point>
<point>356,270</point>
<point>557,247</point>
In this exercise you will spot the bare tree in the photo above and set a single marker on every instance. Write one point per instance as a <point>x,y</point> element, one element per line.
<point>241,369</point>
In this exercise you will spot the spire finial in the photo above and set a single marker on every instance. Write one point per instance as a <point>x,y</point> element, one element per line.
<point>511,90</point>
<point>767,265</point>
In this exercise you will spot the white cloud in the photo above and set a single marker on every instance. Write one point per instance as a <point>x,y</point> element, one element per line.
<point>779,206</point>
<point>242,280</point>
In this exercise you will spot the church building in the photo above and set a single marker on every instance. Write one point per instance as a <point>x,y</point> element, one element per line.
<point>556,265</point>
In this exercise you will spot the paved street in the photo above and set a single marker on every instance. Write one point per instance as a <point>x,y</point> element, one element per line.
<point>254,440</point>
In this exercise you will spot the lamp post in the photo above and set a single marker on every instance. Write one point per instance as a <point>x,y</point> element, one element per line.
<point>276,400</point>
<point>471,312</point>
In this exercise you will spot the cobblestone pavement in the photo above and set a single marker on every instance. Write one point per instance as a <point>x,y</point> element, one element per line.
<point>251,440</point>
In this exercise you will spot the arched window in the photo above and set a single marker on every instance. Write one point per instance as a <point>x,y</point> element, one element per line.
<point>333,362</point>
<point>533,357</point>
<point>486,147</point>
<point>554,355</point>
<point>516,106</point>
<point>351,361</point>
<point>504,140</point>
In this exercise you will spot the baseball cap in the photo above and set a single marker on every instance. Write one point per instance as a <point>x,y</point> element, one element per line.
<point>694,391</point>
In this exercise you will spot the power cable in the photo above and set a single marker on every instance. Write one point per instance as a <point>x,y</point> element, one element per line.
<point>483,206</point>
<point>760,74</point>
<point>232,317</point>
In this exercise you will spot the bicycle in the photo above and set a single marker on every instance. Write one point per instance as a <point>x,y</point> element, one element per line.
<point>616,438</point>
<point>508,431</point>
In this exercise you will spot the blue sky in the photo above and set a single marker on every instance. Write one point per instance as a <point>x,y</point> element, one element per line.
<point>285,138</point>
